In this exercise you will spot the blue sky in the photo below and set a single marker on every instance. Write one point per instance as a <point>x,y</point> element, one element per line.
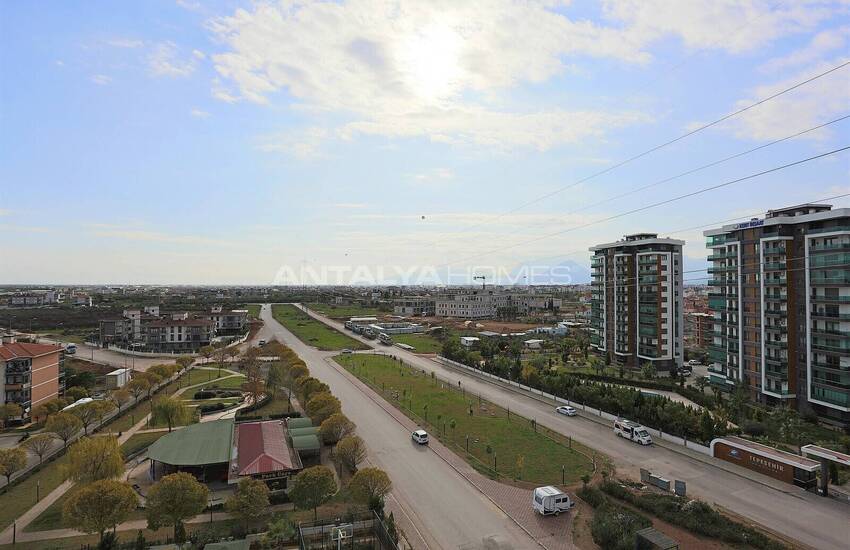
<point>243,142</point>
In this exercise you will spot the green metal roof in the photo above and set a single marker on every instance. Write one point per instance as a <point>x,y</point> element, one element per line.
<point>242,544</point>
<point>312,430</point>
<point>302,422</point>
<point>306,443</point>
<point>195,445</point>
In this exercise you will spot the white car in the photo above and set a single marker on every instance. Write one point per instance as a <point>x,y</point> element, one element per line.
<point>420,436</point>
<point>566,410</point>
<point>347,351</point>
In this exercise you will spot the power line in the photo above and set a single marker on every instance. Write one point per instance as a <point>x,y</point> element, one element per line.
<point>705,225</point>
<point>657,204</point>
<point>660,146</point>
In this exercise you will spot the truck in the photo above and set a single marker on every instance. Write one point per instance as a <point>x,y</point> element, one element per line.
<point>550,500</point>
<point>632,431</point>
<point>385,339</point>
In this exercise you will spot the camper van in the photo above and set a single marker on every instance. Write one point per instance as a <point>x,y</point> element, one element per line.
<point>550,500</point>
<point>632,431</point>
<point>71,349</point>
<point>385,339</point>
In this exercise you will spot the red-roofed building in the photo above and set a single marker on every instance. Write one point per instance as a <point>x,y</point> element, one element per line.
<point>31,373</point>
<point>263,452</point>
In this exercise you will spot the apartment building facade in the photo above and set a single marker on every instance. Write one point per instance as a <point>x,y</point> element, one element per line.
<point>228,321</point>
<point>636,302</point>
<point>32,373</point>
<point>167,333</point>
<point>781,304</point>
<point>421,306</point>
<point>179,335</point>
<point>699,330</point>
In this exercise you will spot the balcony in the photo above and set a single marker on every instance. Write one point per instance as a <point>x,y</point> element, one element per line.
<point>776,344</point>
<point>830,299</point>
<point>831,247</point>
<point>716,240</point>
<point>775,281</point>
<point>826,279</point>
<point>775,266</point>
<point>776,297</point>
<point>831,332</point>
<point>782,329</point>
<point>722,268</point>
<point>828,261</point>
<point>833,229</point>
<point>835,346</point>
<point>823,314</point>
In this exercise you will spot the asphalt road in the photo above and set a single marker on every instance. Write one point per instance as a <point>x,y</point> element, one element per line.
<point>112,358</point>
<point>445,509</point>
<point>813,520</point>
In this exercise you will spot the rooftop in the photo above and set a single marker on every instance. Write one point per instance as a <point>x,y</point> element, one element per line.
<point>195,445</point>
<point>24,350</point>
<point>262,448</point>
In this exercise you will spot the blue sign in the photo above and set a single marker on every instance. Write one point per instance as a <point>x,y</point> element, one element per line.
<point>752,223</point>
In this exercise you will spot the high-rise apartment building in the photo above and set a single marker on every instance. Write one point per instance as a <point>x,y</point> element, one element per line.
<point>781,304</point>
<point>636,302</point>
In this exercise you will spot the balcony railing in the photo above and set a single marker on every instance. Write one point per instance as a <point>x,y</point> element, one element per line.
<point>831,299</point>
<point>829,229</point>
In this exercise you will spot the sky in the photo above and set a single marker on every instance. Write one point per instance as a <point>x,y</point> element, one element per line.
<point>368,141</point>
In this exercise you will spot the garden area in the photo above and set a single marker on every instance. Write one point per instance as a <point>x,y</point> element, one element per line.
<point>492,439</point>
<point>422,343</point>
<point>312,332</point>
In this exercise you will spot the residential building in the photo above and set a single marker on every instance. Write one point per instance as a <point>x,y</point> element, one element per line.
<point>179,335</point>
<point>781,304</point>
<point>699,330</point>
<point>32,298</point>
<point>228,321</point>
<point>487,304</point>
<point>422,306</point>
<point>32,373</point>
<point>636,302</point>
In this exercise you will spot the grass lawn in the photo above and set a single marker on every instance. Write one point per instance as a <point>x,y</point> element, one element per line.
<point>312,332</point>
<point>231,383</point>
<point>198,376</point>
<point>277,405</point>
<point>129,417</point>
<point>20,497</point>
<point>253,310</point>
<point>508,436</point>
<point>139,441</point>
<point>51,517</point>
<point>422,343</point>
<point>344,312</point>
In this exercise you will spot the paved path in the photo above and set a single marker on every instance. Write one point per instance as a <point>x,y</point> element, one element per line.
<point>800,515</point>
<point>437,504</point>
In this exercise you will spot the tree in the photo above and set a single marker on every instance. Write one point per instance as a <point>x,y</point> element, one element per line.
<point>321,406</point>
<point>274,378</point>
<point>153,381</point>
<point>370,485</point>
<point>221,355</point>
<point>138,386</point>
<point>39,444</point>
<point>648,370</point>
<point>102,408</point>
<point>279,533</point>
<point>706,423</point>
<point>307,387</point>
<point>296,372</point>
<point>312,488</point>
<point>701,383</point>
<point>350,451</point>
<point>12,460</point>
<point>75,393</point>
<point>173,499</point>
<point>95,458</point>
<point>249,501</point>
<point>87,413</point>
<point>206,352</point>
<point>254,386</point>
<point>185,361</point>
<point>170,410</point>
<point>120,397</point>
<point>64,425</point>
<point>335,427</point>
<point>163,371</point>
<point>99,506</point>
<point>10,410</point>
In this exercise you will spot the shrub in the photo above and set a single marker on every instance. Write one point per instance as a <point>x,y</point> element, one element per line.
<point>753,428</point>
<point>204,394</point>
<point>592,496</point>
<point>614,526</point>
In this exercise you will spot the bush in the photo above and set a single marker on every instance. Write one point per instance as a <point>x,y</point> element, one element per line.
<point>615,526</point>
<point>753,428</point>
<point>592,496</point>
<point>694,515</point>
<point>212,407</point>
<point>204,394</point>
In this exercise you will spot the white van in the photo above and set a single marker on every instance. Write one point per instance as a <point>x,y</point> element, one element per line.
<point>632,431</point>
<point>550,500</point>
<point>71,349</point>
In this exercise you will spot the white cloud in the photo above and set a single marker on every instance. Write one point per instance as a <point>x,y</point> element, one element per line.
<point>304,143</point>
<point>199,54</point>
<point>189,5</point>
<point>732,25</point>
<point>101,79</point>
<point>155,236</point>
<point>817,102</point>
<point>822,44</point>
<point>165,60</point>
<point>417,70</point>
<point>351,205</point>
<point>198,113</point>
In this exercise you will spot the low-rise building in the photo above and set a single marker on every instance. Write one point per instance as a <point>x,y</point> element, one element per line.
<point>422,306</point>
<point>229,321</point>
<point>31,373</point>
<point>179,335</point>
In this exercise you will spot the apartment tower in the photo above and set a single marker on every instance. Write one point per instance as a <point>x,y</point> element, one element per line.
<point>636,302</point>
<point>781,304</point>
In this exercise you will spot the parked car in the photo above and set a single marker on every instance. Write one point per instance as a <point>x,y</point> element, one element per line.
<point>71,349</point>
<point>420,436</point>
<point>566,410</point>
<point>550,500</point>
<point>262,342</point>
<point>347,351</point>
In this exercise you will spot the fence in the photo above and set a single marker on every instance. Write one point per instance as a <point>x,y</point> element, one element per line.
<point>596,414</point>
<point>366,531</point>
